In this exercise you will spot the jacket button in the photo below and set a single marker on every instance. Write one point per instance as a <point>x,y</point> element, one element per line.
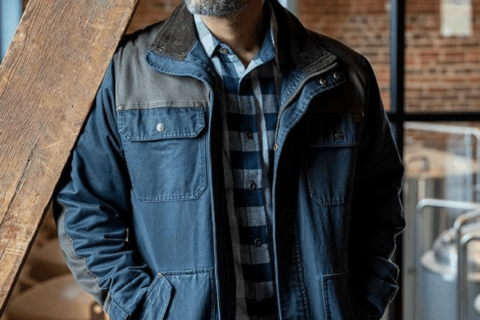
<point>120,107</point>
<point>275,147</point>
<point>252,186</point>
<point>337,76</point>
<point>160,127</point>
<point>257,242</point>
<point>249,134</point>
<point>161,48</point>
<point>224,50</point>
<point>339,135</point>
<point>323,82</point>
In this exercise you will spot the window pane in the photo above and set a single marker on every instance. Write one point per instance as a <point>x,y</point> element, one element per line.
<point>442,72</point>
<point>362,25</point>
<point>441,162</point>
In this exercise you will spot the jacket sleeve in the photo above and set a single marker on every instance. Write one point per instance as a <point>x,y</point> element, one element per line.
<point>92,213</point>
<point>377,214</point>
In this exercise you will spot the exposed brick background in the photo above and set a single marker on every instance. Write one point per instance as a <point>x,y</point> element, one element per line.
<point>151,11</point>
<point>442,73</point>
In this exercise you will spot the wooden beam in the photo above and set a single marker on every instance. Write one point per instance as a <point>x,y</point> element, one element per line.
<point>48,81</point>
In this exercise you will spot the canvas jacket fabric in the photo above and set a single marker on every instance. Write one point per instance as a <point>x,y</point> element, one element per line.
<point>141,209</point>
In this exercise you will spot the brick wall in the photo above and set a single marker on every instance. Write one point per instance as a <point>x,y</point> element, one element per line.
<point>148,12</point>
<point>361,24</point>
<point>442,74</point>
<point>151,11</point>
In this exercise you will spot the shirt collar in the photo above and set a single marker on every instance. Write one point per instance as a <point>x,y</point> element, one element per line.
<point>210,43</point>
<point>207,39</point>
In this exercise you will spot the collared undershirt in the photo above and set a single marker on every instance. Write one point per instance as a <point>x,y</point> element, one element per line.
<point>248,100</point>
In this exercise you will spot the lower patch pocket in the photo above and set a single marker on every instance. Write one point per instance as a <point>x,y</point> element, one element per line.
<point>338,305</point>
<point>157,299</point>
<point>192,295</point>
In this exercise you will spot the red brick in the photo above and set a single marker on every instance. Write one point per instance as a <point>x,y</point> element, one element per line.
<point>473,56</point>
<point>474,80</point>
<point>438,69</point>
<point>438,90</point>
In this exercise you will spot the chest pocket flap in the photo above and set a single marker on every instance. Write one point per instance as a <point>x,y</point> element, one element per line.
<point>333,132</point>
<point>161,123</point>
<point>165,151</point>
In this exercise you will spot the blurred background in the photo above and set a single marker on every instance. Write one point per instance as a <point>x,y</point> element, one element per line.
<point>426,56</point>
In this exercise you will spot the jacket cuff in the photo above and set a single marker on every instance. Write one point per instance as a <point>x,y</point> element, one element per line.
<point>154,305</point>
<point>114,311</point>
<point>379,294</point>
<point>372,293</point>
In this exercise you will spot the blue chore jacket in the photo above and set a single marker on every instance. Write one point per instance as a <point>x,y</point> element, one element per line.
<point>141,208</point>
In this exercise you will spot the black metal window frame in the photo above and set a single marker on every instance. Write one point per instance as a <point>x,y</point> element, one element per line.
<point>398,116</point>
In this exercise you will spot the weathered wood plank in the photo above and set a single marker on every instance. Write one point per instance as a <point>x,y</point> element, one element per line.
<point>48,81</point>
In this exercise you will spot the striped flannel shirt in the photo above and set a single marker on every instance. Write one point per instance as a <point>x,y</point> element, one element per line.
<point>247,98</point>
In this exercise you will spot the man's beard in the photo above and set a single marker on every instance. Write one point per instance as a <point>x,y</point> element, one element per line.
<point>214,8</point>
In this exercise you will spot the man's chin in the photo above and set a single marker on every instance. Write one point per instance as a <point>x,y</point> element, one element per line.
<point>213,8</point>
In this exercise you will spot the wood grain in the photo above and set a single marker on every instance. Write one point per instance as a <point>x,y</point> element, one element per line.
<point>48,81</point>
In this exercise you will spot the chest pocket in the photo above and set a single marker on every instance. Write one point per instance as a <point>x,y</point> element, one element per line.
<point>330,151</point>
<point>165,151</point>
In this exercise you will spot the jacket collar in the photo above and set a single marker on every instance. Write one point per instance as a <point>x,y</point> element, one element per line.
<point>297,48</point>
<point>177,36</point>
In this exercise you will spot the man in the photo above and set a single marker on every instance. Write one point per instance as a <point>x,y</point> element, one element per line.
<point>234,166</point>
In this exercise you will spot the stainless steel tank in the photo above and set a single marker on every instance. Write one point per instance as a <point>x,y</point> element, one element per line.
<point>438,293</point>
<point>476,305</point>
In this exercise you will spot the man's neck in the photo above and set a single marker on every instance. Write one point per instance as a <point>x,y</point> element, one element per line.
<point>243,33</point>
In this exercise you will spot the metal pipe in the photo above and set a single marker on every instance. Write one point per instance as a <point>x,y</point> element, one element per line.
<point>441,128</point>
<point>436,116</point>
<point>471,196</point>
<point>418,236</point>
<point>10,15</point>
<point>462,275</point>
<point>458,225</point>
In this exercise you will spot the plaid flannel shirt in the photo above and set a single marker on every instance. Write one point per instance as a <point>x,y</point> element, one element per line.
<point>248,100</point>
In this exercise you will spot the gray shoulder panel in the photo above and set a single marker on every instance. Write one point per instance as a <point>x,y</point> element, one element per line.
<point>139,86</point>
